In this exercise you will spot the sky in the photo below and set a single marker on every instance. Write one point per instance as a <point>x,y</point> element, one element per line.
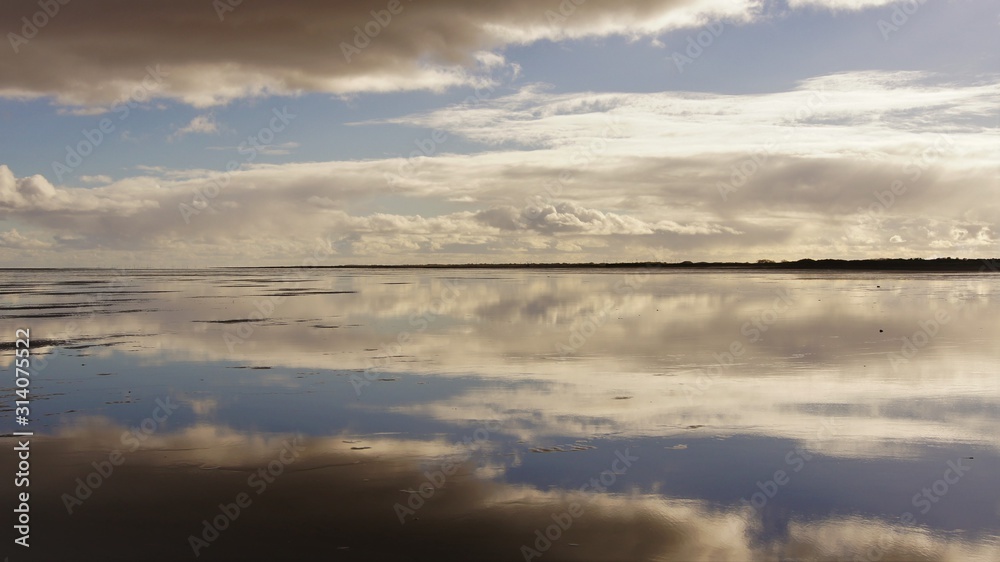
<point>226,132</point>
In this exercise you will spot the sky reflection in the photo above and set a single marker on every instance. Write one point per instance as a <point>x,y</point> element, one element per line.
<point>714,381</point>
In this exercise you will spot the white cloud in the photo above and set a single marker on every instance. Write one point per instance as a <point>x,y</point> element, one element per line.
<point>600,177</point>
<point>858,111</point>
<point>202,124</point>
<point>14,240</point>
<point>96,179</point>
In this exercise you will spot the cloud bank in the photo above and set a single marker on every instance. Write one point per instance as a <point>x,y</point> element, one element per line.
<point>846,165</point>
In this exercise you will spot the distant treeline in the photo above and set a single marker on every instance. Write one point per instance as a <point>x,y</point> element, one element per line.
<point>896,264</point>
<point>985,265</point>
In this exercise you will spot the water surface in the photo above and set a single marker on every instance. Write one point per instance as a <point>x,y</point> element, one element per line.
<point>629,414</point>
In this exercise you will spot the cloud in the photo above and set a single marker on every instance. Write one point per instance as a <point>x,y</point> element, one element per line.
<point>831,168</point>
<point>337,47</point>
<point>202,124</point>
<point>570,218</point>
<point>14,240</point>
<point>23,192</point>
<point>37,197</point>
<point>838,112</point>
<point>276,149</point>
<point>96,179</point>
<point>564,217</point>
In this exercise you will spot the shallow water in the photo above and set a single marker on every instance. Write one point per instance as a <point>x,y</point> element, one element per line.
<point>628,414</point>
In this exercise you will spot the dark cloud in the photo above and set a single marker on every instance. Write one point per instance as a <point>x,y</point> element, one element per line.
<point>93,53</point>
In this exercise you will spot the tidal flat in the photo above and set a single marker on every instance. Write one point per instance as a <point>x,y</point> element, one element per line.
<point>479,414</point>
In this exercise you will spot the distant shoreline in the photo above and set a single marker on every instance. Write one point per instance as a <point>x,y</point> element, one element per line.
<point>984,265</point>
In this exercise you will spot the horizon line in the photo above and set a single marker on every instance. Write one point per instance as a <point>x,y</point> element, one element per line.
<point>872,264</point>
